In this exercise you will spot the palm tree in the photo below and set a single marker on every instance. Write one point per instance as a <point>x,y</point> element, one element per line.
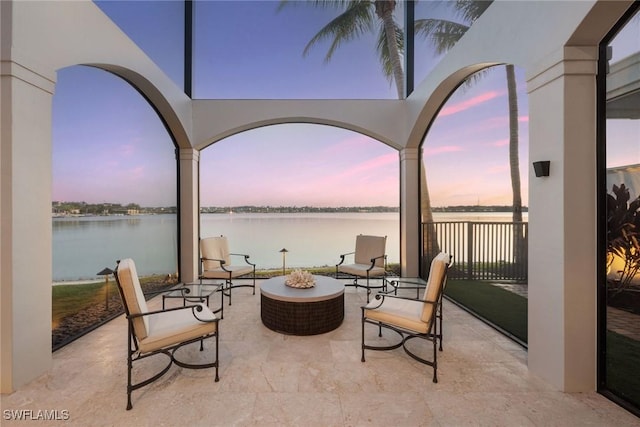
<point>362,16</point>
<point>443,35</point>
<point>357,18</point>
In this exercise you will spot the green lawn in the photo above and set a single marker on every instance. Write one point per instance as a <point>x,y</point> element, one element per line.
<point>504,309</point>
<point>509,311</point>
<point>393,269</point>
<point>623,366</point>
<point>70,299</point>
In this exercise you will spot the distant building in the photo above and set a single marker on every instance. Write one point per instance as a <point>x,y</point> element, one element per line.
<point>628,175</point>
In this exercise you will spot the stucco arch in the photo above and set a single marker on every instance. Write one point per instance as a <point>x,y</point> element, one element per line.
<point>566,24</point>
<point>296,120</point>
<point>49,36</point>
<point>156,100</point>
<point>382,120</point>
<point>436,100</point>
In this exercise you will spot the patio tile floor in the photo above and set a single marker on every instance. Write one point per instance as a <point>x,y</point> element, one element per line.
<point>269,379</point>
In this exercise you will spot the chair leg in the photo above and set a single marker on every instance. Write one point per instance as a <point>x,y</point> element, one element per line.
<point>222,303</point>
<point>362,342</point>
<point>368,288</point>
<point>441,334</point>
<point>435,360</point>
<point>217,360</point>
<point>129,388</point>
<point>129,365</point>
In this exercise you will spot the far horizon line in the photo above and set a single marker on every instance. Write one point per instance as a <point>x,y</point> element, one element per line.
<point>228,207</point>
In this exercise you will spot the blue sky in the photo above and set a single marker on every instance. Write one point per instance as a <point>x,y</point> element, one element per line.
<point>109,145</point>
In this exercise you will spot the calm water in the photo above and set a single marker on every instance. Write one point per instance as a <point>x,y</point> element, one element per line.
<point>84,246</point>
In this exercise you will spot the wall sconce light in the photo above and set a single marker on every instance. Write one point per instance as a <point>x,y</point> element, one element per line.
<point>541,168</point>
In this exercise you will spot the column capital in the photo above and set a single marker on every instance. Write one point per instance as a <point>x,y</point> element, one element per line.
<point>189,154</point>
<point>570,60</point>
<point>409,154</point>
<point>9,68</point>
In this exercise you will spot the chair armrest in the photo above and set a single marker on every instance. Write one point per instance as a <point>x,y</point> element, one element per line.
<point>373,261</point>
<point>193,308</point>
<point>381,297</point>
<point>221,261</point>
<point>414,283</point>
<point>246,258</point>
<point>342,257</point>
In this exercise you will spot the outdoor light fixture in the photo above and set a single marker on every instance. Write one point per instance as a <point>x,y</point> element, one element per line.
<point>106,272</point>
<point>283,251</point>
<point>541,168</point>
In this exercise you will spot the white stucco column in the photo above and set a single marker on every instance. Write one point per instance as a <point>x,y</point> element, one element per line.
<point>562,220</point>
<point>25,211</point>
<point>189,213</point>
<point>410,212</point>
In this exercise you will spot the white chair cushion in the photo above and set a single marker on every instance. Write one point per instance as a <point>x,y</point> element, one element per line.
<point>176,326</point>
<point>128,279</point>
<point>361,270</point>
<point>215,248</point>
<point>368,247</point>
<point>219,273</point>
<point>398,312</point>
<point>434,283</point>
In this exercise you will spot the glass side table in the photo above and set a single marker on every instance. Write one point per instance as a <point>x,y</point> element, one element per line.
<point>196,292</point>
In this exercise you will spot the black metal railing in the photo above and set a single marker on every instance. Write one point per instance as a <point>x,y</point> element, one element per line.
<point>481,250</point>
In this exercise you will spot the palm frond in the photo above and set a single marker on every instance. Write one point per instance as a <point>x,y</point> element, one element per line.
<point>335,4</point>
<point>473,79</point>
<point>470,10</point>
<point>443,33</point>
<point>383,50</point>
<point>356,20</point>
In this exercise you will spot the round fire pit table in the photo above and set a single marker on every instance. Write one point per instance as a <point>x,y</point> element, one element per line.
<point>308,311</point>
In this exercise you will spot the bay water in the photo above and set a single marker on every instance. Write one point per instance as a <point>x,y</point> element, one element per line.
<point>83,246</point>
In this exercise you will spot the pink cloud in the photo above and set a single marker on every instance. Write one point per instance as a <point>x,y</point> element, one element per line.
<point>523,119</point>
<point>131,175</point>
<point>127,149</point>
<point>468,103</point>
<point>498,169</point>
<point>434,151</point>
<point>499,143</point>
<point>376,162</point>
<point>348,145</point>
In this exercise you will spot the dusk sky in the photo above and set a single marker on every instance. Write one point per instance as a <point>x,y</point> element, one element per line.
<point>109,146</point>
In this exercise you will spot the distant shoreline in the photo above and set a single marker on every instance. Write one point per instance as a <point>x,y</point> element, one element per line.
<point>79,209</point>
<point>77,282</point>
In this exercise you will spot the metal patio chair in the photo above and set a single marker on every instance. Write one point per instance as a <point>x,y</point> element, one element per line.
<point>216,264</point>
<point>411,317</point>
<point>369,261</point>
<point>161,331</point>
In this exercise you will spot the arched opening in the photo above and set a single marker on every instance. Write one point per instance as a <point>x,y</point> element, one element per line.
<point>305,187</point>
<point>114,189</point>
<point>474,196</point>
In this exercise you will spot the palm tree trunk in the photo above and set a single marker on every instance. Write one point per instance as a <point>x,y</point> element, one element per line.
<point>384,10</point>
<point>429,236</point>
<point>514,164</point>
